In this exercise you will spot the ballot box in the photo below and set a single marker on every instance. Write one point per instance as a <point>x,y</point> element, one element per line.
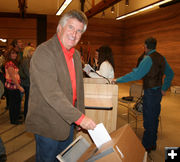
<point>124,147</point>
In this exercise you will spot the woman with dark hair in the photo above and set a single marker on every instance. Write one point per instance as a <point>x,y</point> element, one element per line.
<point>13,85</point>
<point>105,64</point>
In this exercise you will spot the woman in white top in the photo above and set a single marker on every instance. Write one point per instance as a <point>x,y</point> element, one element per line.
<point>105,64</point>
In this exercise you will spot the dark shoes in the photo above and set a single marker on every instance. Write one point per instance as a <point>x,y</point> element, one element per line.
<point>3,158</point>
<point>153,148</point>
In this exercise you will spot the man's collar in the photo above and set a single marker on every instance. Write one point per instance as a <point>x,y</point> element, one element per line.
<point>152,51</point>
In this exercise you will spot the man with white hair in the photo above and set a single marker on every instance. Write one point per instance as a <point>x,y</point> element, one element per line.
<point>56,100</point>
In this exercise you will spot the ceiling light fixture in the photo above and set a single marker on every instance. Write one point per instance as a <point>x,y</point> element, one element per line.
<point>143,9</point>
<point>63,7</point>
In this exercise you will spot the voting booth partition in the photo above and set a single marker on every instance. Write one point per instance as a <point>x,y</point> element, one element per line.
<point>101,101</point>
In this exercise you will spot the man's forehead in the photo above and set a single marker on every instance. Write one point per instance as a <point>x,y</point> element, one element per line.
<point>74,20</point>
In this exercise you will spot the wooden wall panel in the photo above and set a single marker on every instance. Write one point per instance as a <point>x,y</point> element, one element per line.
<point>164,25</point>
<point>52,22</point>
<point>125,37</point>
<point>18,28</point>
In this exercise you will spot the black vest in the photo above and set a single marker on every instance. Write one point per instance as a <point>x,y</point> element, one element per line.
<point>154,77</point>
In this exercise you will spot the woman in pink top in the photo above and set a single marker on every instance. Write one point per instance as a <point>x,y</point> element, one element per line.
<point>13,85</point>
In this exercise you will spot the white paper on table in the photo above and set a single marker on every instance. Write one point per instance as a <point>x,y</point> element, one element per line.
<point>99,135</point>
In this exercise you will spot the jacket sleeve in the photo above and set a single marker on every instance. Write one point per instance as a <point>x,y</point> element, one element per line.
<point>169,74</point>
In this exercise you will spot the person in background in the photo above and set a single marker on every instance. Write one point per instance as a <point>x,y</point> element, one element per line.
<point>13,85</point>
<point>105,64</point>
<point>31,44</point>
<point>18,45</point>
<point>24,74</point>
<point>95,60</point>
<point>151,69</point>
<point>56,100</point>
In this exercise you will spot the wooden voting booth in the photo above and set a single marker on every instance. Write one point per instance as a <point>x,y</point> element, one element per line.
<point>101,100</point>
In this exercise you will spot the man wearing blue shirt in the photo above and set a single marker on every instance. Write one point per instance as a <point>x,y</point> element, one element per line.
<point>151,69</point>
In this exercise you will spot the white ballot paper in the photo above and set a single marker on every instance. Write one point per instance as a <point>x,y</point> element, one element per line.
<point>99,135</point>
<point>88,68</point>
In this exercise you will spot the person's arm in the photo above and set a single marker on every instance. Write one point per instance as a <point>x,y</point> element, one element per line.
<point>94,75</point>
<point>105,70</point>
<point>169,74</point>
<point>137,73</point>
<point>15,81</point>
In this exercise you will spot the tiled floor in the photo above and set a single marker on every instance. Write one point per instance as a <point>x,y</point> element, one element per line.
<point>20,145</point>
<point>169,132</point>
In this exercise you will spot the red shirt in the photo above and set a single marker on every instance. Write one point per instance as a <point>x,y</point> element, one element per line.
<point>70,63</point>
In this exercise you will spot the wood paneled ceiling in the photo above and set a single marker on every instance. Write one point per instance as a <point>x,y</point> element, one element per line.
<point>92,8</point>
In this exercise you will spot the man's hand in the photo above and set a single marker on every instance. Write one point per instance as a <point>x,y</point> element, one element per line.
<point>88,123</point>
<point>113,81</point>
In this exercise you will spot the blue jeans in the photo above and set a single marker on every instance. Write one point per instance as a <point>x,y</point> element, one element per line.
<point>151,111</point>
<point>47,149</point>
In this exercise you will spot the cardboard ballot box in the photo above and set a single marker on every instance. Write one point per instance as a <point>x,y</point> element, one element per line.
<point>124,147</point>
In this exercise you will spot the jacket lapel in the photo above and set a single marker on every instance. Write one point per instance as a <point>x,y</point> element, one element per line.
<point>63,71</point>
